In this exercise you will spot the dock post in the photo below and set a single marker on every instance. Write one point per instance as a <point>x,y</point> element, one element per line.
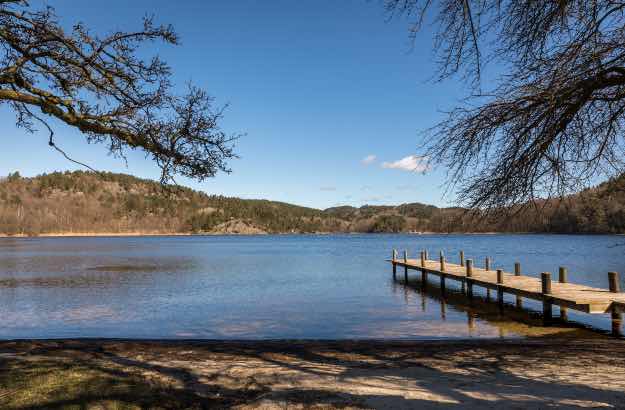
<point>405,265</point>
<point>617,317</point>
<point>443,284</point>
<point>442,259</point>
<point>469,275</point>
<point>517,272</point>
<point>463,287</point>
<point>545,278</point>
<point>500,288</point>
<point>424,275</point>
<point>394,263</point>
<point>426,254</point>
<point>563,278</point>
<point>615,286</point>
<point>487,267</point>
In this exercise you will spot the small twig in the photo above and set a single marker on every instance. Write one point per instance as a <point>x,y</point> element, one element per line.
<point>53,144</point>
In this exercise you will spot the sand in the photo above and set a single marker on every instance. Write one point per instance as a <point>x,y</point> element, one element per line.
<point>313,374</point>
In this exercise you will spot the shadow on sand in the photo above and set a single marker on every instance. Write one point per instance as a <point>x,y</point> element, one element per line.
<point>311,374</point>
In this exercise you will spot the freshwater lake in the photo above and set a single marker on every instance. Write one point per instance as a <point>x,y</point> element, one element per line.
<point>282,286</point>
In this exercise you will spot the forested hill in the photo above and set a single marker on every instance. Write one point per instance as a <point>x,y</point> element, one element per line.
<point>84,202</point>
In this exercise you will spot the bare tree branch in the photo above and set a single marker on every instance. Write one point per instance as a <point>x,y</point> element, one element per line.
<point>554,122</point>
<point>100,86</point>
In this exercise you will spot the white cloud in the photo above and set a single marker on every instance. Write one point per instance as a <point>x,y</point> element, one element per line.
<point>327,188</point>
<point>372,199</point>
<point>411,163</point>
<point>368,160</point>
<point>376,199</point>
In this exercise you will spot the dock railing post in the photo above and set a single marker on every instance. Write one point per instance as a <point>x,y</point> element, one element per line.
<point>442,276</point>
<point>394,263</point>
<point>487,267</point>
<point>617,317</point>
<point>424,275</point>
<point>468,279</point>
<point>463,287</point>
<point>563,278</point>
<point>517,272</point>
<point>615,286</point>
<point>545,279</point>
<point>442,259</point>
<point>500,288</point>
<point>405,265</point>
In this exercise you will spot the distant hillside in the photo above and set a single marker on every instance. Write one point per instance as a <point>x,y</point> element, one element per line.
<point>85,202</point>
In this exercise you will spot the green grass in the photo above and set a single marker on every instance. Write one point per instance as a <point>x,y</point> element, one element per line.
<point>62,383</point>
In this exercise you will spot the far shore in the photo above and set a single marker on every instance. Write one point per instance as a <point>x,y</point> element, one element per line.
<point>94,234</point>
<point>109,373</point>
<point>152,234</point>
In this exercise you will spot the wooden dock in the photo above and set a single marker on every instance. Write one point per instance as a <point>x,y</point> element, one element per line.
<point>550,292</point>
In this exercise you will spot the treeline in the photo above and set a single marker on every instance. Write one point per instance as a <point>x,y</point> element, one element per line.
<point>86,202</point>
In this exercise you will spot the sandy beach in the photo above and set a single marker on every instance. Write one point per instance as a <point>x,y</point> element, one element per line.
<point>106,374</point>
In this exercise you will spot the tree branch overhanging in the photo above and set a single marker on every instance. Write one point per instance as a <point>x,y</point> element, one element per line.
<point>554,122</point>
<point>100,86</point>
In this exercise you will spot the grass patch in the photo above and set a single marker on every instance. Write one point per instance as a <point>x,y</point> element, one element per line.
<point>63,383</point>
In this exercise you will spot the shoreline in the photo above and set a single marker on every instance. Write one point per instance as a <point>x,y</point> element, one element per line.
<point>94,234</point>
<point>481,342</point>
<point>352,374</point>
<point>161,234</point>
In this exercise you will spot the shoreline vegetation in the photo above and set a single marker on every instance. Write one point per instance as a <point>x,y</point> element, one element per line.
<point>133,374</point>
<point>107,204</point>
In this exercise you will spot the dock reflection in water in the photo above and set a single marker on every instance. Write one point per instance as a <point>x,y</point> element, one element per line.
<point>483,315</point>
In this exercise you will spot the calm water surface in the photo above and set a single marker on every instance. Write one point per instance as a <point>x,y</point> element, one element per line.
<point>259,287</point>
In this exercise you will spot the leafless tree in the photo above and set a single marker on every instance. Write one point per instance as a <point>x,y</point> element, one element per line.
<point>100,85</point>
<point>554,120</point>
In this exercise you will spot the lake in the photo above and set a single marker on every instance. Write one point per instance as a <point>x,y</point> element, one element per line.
<point>280,286</point>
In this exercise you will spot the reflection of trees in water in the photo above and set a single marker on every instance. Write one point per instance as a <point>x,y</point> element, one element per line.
<point>74,271</point>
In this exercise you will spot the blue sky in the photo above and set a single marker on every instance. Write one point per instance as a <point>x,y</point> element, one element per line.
<point>316,86</point>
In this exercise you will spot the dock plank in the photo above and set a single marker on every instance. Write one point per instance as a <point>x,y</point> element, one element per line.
<point>578,297</point>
